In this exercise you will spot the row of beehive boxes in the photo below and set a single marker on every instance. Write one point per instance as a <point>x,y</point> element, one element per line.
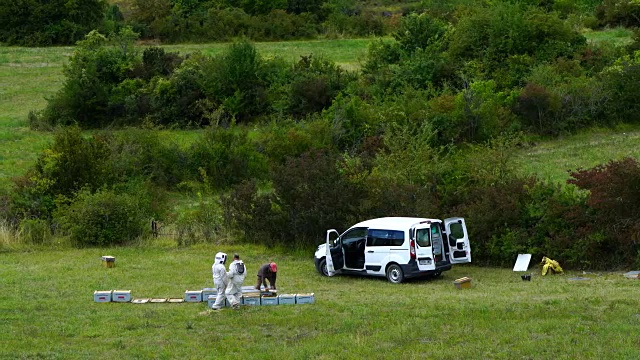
<point>256,299</point>
<point>209,295</point>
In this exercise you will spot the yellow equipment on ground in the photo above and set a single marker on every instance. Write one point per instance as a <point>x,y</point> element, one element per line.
<point>550,264</point>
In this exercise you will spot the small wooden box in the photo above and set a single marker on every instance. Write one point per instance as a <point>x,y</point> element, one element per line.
<point>463,283</point>
<point>108,261</point>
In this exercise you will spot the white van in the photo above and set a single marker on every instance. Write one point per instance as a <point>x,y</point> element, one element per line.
<point>395,247</point>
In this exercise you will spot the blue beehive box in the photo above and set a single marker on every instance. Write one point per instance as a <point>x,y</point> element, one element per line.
<point>251,300</point>
<point>269,300</point>
<point>305,298</point>
<point>287,299</point>
<point>211,299</point>
<point>208,291</point>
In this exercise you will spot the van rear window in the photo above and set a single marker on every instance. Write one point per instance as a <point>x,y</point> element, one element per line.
<point>377,237</point>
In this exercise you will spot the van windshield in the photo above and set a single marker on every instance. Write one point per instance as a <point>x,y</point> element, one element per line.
<point>422,237</point>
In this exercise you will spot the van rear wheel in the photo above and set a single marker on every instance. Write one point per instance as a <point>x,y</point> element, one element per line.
<point>395,274</point>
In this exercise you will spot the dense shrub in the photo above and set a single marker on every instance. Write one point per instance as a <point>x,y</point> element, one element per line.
<point>539,109</point>
<point>289,139</point>
<point>235,82</point>
<point>614,192</point>
<point>620,81</point>
<point>619,13</point>
<point>103,218</point>
<point>49,22</point>
<point>70,164</point>
<point>227,157</point>
<point>315,83</point>
<point>256,215</point>
<point>309,196</point>
<point>92,72</point>
<point>504,40</point>
<point>136,153</point>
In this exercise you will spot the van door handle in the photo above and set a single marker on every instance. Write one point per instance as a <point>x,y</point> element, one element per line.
<point>370,251</point>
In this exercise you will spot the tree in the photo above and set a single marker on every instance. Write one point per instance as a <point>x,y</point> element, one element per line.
<point>49,22</point>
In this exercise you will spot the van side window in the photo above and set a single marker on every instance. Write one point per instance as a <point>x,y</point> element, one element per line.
<point>377,237</point>
<point>422,236</point>
<point>456,233</point>
<point>353,235</point>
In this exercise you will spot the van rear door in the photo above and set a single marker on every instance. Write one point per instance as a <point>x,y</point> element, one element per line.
<point>424,247</point>
<point>334,255</point>
<point>460,250</point>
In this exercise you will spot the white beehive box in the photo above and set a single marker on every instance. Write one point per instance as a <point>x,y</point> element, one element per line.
<point>305,298</point>
<point>287,299</point>
<point>211,299</point>
<point>121,296</point>
<point>102,296</point>
<point>193,296</point>
<point>208,291</point>
<point>251,300</point>
<point>269,300</point>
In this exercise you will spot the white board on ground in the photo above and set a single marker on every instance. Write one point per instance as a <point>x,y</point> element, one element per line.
<point>522,263</point>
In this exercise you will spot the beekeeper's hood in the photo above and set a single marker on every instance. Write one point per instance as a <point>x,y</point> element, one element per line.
<point>221,258</point>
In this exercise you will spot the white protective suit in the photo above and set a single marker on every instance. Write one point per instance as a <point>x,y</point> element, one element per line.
<point>237,273</point>
<point>220,279</point>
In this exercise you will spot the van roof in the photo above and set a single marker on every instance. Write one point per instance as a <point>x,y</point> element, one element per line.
<point>392,223</point>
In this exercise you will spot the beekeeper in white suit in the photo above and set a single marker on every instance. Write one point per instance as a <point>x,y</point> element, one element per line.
<point>220,279</point>
<point>237,273</point>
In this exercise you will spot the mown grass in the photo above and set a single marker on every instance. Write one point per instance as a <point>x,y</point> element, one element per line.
<point>615,36</point>
<point>553,160</point>
<point>47,311</point>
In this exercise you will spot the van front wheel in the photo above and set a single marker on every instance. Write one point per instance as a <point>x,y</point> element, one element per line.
<point>395,274</point>
<point>322,267</point>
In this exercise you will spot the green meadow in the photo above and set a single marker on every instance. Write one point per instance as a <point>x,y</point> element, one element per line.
<point>47,311</point>
<point>46,295</point>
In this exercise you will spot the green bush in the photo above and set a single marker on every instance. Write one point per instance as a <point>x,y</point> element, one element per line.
<point>93,71</point>
<point>137,153</point>
<point>619,82</point>
<point>49,22</point>
<point>226,157</point>
<point>71,163</point>
<point>315,83</point>
<point>103,218</point>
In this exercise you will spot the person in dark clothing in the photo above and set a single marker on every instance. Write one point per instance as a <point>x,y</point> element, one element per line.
<point>267,272</point>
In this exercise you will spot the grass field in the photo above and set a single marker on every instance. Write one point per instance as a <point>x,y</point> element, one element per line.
<point>47,311</point>
<point>46,295</point>
<point>552,160</point>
